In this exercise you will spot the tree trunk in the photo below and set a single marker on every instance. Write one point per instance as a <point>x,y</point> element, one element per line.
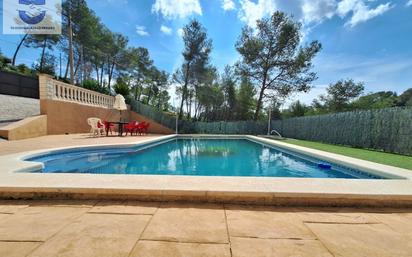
<point>149,95</point>
<point>42,54</point>
<point>67,68</point>
<point>17,49</point>
<point>135,91</point>
<point>184,90</point>
<point>101,75</point>
<point>76,68</point>
<point>259,103</point>
<point>97,73</point>
<point>111,68</point>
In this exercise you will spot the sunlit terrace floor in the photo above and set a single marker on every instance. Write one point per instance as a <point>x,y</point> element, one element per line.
<point>53,141</point>
<point>128,228</point>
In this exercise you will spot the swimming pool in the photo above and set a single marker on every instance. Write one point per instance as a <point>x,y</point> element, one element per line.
<point>196,157</point>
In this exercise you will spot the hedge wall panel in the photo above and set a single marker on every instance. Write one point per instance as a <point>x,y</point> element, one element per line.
<point>389,129</point>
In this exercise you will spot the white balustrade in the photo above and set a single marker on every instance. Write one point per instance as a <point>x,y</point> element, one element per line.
<point>60,91</point>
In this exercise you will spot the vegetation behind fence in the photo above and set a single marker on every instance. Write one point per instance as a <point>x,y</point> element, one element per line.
<point>189,127</point>
<point>389,129</point>
<point>156,115</point>
<point>224,127</point>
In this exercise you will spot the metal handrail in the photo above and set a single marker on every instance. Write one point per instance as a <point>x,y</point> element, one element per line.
<point>276,132</point>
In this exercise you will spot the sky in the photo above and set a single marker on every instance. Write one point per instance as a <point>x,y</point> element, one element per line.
<point>366,40</point>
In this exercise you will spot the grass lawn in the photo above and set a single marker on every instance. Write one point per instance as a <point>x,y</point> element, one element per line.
<point>396,160</point>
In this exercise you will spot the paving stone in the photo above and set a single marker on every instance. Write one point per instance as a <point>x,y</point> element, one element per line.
<point>248,247</point>
<point>362,240</point>
<point>17,249</point>
<point>266,223</point>
<point>125,207</point>
<point>173,249</point>
<point>64,203</point>
<point>399,222</point>
<point>336,215</point>
<point>8,206</point>
<point>37,223</point>
<point>188,223</point>
<point>95,235</point>
<point>3,216</point>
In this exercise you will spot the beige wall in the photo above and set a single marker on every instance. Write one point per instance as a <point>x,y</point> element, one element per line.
<point>27,128</point>
<point>68,117</point>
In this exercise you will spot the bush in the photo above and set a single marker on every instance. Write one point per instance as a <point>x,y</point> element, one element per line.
<point>121,88</point>
<point>92,84</point>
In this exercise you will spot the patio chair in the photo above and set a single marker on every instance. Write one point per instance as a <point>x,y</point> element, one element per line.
<point>131,127</point>
<point>139,127</point>
<point>145,127</point>
<point>96,126</point>
<point>108,127</point>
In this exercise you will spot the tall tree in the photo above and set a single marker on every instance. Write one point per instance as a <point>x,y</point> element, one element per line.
<point>42,41</point>
<point>47,64</point>
<point>296,109</point>
<point>272,57</point>
<point>197,48</point>
<point>382,99</point>
<point>117,51</point>
<point>141,66</point>
<point>405,99</point>
<point>340,94</point>
<point>245,100</point>
<point>229,88</point>
<point>13,62</point>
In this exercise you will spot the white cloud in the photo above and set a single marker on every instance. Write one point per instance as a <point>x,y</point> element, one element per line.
<point>166,30</point>
<point>180,32</point>
<point>228,5</point>
<point>141,31</point>
<point>409,3</point>
<point>250,11</point>
<point>312,12</point>
<point>360,11</point>
<point>172,9</point>
<point>318,10</point>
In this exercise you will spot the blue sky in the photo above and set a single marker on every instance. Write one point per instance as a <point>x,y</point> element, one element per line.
<point>367,40</point>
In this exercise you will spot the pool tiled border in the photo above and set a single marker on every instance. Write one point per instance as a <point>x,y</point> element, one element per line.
<point>251,190</point>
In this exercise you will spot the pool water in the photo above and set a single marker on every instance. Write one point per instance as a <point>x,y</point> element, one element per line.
<point>202,157</point>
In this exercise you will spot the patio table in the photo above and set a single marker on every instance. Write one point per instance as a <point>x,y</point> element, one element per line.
<point>119,127</point>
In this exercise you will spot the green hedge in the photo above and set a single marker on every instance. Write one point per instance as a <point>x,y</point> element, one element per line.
<point>389,129</point>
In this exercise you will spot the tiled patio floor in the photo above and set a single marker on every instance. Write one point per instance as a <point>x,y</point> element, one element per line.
<point>53,141</point>
<point>137,229</point>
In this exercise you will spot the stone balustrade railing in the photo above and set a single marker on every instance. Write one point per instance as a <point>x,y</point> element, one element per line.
<point>56,90</point>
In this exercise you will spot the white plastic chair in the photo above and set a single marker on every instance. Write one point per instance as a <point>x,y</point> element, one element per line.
<point>94,126</point>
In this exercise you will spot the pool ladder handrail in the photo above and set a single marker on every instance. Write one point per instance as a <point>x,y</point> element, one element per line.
<point>276,132</point>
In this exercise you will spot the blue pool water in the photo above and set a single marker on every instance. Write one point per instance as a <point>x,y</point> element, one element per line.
<point>205,157</point>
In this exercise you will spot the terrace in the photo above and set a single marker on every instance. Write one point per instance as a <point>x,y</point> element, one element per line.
<point>152,229</point>
<point>216,162</point>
